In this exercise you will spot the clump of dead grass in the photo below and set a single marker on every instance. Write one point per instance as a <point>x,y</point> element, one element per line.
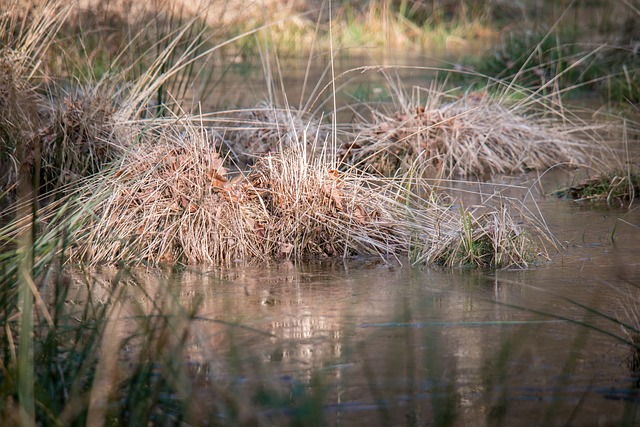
<point>81,137</point>
<point>20,117</point>
<point>59,140</point>
<point>266,128</point>
<point>51,139</point>
<point>471,135</point>
<point>163,198</point>
<point>170,200</point>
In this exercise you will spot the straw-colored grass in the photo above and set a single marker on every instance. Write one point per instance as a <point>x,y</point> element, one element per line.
<point>170,200</point>
<point>19,118</point>
<point>266,128</point>
<point>81,137</point>
<point>471,135</point>
<point>163,195</point>
<point>484,237</point>
<point>59,141</point>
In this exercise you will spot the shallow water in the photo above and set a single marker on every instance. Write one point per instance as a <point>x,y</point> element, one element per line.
<point>307,83</point>
<point>396,344</point>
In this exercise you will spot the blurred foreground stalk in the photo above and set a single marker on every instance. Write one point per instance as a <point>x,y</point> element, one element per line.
<point>27,151</point>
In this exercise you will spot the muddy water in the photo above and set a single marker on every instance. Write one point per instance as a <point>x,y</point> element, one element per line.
<point>394,344</point>
<point>397,344</point>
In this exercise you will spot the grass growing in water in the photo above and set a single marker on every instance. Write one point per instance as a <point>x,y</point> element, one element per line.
<point>472,135</point>
<point>170,200</point>
<point>610,188</point>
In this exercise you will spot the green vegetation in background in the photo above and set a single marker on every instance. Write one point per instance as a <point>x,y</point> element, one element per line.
<point>372,24</point>
<point>564,59</point>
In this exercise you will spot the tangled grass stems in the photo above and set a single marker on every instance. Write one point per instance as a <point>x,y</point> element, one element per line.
<point>472,135</point>
<point>612,187</point>
<point>67,133</point>
<point>615,181</point>
<point>173,201</point>
<point>170,200</point>
<point>265,128</point>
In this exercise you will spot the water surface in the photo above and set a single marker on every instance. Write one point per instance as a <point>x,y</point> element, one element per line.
<point>395,344</point>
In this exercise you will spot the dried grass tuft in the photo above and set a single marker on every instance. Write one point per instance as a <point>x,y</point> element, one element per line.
<point>81,137</point>
<point>20,117</point>
<point>170,200</point>
<point>472,135</point>
<point>267,129</point>
<point>161,203</point>
<point>306,209</point>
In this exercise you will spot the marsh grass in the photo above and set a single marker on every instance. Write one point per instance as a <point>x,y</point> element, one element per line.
<point>614,181</point>
<point>156,190</point>
<point>170,200</point>
<point>265,129</point>
<point>474,135</point>
<point>66,127</point>
<point>80,367</point>
<point>614,188</point>
<point>23,41</point>
<point>133,180</point>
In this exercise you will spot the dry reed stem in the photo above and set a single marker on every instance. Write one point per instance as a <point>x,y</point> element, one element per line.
<point>468,136</point>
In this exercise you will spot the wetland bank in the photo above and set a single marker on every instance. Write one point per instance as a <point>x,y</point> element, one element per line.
<point>192,236</point>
